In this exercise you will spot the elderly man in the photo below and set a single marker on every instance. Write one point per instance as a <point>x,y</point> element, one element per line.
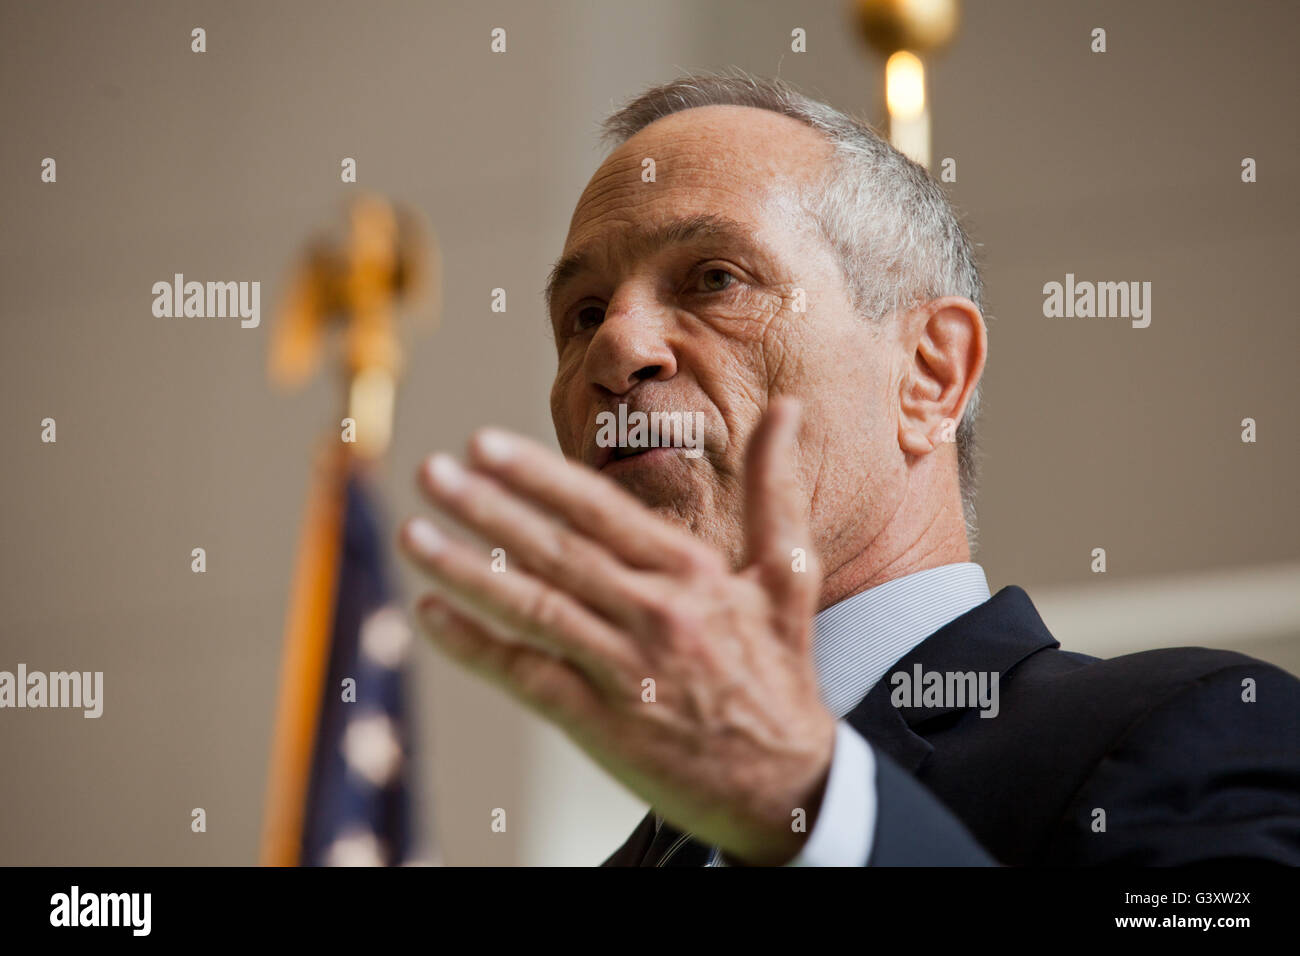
<point>777,638</point>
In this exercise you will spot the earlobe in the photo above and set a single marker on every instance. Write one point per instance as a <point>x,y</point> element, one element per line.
<point>914,411</point>
<point>913,441</point>
<point>946,360</point>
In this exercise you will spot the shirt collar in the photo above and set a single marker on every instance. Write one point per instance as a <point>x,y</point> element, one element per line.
<point>858,639</point>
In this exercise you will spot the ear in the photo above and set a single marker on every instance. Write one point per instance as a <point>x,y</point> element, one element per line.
<point>947,344</point>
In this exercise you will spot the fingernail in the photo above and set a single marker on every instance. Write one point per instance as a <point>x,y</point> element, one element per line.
<point>494,446</point>
<point>445,472</point>
<point>425,537</point>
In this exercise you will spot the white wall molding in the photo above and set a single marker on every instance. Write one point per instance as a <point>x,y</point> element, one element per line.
<point>1234,609</point>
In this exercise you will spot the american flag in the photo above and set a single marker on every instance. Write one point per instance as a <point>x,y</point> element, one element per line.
<point>341,779</point>
<point>359,806</point>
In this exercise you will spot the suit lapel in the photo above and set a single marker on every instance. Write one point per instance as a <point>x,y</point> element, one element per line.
<point>882,724</point>
<point>635,847</point>
<point>995,636</point>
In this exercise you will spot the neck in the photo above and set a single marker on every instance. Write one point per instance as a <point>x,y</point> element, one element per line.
<point>904,546</point>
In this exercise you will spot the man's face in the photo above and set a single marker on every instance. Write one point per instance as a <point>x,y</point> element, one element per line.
<point>711,290</point>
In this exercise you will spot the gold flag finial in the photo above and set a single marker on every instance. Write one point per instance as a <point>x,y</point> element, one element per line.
<point>388,257</point>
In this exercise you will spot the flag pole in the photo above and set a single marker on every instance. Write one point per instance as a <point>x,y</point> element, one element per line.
<point>304,662</point>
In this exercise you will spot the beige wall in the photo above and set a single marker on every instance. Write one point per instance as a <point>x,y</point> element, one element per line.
<point>1122,166</point>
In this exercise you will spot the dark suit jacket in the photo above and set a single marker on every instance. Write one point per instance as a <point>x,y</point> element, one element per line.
<point>1184,769</point>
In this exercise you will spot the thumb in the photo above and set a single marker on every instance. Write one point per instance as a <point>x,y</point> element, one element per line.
<point>776,517</point>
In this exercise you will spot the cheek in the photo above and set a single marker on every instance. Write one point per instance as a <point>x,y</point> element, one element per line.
<point>565,415</point>
<point>560,418</point>
<point>731,393</point>
<point>855,477</point>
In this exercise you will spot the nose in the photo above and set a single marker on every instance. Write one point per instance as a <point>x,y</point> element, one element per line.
<point>629,348</point>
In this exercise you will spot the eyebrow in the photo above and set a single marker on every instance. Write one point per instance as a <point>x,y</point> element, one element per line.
<point>642,241</point>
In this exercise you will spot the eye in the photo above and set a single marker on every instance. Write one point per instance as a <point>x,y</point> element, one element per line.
<point>589,316</point>
<point>715,280</point>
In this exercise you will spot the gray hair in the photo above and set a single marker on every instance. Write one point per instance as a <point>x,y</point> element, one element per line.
<point>897,236</point>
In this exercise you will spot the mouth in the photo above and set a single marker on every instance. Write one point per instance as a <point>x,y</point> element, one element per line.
<point>610,459</point>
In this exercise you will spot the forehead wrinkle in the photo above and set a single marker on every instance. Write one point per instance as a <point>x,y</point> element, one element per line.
<point>692,149</point>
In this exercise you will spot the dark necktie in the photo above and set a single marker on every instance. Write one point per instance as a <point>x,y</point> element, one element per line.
<point>672,847</point>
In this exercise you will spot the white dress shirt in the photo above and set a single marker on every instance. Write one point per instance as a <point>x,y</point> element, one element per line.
<point>854,643</point>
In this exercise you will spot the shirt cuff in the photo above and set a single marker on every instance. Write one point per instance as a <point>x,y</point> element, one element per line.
<point>845,826</point>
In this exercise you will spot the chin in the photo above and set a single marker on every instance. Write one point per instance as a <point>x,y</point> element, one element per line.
<point>668,497</point>
<point>701,523</point>
<point>679,496</point>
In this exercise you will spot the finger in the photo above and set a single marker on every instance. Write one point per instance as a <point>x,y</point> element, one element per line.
<point>515,605</point>
<point>547,684</point>
<point>557,554</point>
<point>776,509</point>
<point>589,502</point>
